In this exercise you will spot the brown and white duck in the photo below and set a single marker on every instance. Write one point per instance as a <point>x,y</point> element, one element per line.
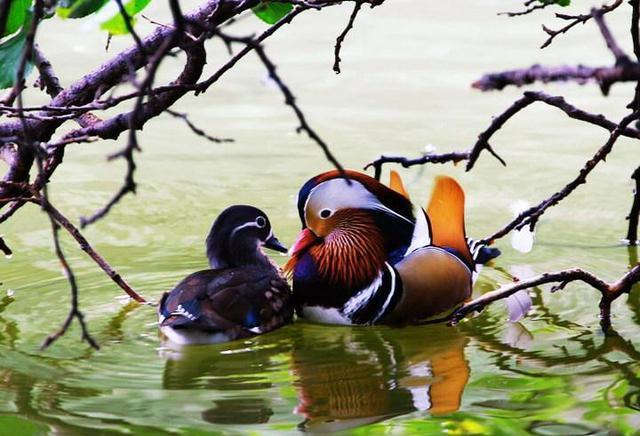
<point>366,255</point>
<point>242,295</point>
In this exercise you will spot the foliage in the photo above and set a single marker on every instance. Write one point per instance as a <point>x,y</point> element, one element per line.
<point>19,19</point>
<point>79,8</point>
<point>272,12</point>
<point>562,3</point>
<point>12,46</point>
<point>18,14</point>
<point>116,24</point>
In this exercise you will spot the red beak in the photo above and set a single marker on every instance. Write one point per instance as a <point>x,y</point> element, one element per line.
<point>306,239</point>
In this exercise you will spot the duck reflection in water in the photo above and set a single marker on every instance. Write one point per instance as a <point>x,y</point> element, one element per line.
<point>350,377</point>
<point>239,371</point>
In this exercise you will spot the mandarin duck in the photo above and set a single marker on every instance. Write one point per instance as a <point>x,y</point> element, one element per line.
<point>366,255</point>
<point>243,294</point>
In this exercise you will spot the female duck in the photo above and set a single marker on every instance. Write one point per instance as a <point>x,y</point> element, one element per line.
<point>243,294</point>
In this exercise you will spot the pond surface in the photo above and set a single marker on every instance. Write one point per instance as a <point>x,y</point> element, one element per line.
<point>405,84</point>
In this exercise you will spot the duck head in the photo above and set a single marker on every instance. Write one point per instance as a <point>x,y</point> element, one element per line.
<point>237,237</point>
<point>350,227</point>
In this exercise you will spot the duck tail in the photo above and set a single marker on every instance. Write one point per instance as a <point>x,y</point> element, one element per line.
<point>446,215</point>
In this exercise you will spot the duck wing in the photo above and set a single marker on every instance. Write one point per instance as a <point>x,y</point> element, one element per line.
<point>253,299</point>
<point>433,280</point>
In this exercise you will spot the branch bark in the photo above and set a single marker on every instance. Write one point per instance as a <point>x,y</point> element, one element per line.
<point>608,291</point>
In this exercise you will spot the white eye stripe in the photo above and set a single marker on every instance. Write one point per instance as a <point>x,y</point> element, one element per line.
<point>244,226</point>
<point>337,194</point>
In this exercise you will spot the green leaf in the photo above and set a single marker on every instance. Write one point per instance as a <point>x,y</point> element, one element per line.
<point>116,25</point>
<point>18,14</point>
<point>270,12</point>
<point>79,8</point>
<point>10,54</point>
<point>562,3</point>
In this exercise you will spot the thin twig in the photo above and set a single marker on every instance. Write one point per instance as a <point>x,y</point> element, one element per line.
<point>129,185</point>
<point>609,292</point>
<point>289,98</point>
<point>340,39</point>
<point>4,247</point>
<point>97,258</point>
<point>574,20</point>
<point>129,25</point>
<point>634,213</point>
<point>526,11</point>
<point>612,44</point>
<point>454,157</point>
<point>497,123</point>
<point>530,216</point>
<point>195,129</point>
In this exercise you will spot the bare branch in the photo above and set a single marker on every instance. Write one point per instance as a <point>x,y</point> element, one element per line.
<point>48,78</point>
<point>142,112</point>
<point>574,20</point>
<point>609,292</point>
<point>343,35</point>
<point>198,131</point>
<point>528,10</point>
<point>74,312</point>
<point>289,98</point>
<point>497,123</point>
<point>603,76</point>
<point>634,213</point>
<point>5,248</point>
<point>87,248</point>
<point>530,216</point>
<point>129,25</point>
<point>454,157</point>
<point>612,44</point>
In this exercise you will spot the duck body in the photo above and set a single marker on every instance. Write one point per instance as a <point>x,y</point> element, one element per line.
<point>366,255</point>
<point>242,295</point>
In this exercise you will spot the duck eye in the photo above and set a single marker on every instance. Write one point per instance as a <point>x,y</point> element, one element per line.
<point>326,213</point>
<point>261,222</point>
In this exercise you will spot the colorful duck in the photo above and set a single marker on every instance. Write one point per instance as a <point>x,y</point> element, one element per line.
<point>366,255</point>
<point>243,294</point>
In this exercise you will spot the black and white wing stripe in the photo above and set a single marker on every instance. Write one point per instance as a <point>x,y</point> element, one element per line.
<point>372,303</point>
<point>481,252</point>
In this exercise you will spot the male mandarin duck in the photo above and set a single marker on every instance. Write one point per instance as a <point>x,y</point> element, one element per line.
<point>366,255</point>
<point>243,294</point>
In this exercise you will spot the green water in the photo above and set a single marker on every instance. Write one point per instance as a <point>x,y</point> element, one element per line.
<point>405,83</point>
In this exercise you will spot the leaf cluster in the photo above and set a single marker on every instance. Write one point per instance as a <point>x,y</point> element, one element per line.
<point>13,39</point>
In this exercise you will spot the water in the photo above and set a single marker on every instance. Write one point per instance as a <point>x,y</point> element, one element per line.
<point>405,84</point>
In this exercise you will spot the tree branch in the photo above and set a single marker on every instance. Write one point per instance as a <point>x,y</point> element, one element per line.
<point>634,213</point>
<point>340,39</point>
<point>454,157</point>
<point>195,129</point>
<point>605,77</point>
<point>609,292</point>
<point>574,20</point>
<point>289,98</point>
<point>530,216</point>
<point>497,122</point>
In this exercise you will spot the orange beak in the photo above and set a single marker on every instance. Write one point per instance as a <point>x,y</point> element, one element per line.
<point>306,239</point>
